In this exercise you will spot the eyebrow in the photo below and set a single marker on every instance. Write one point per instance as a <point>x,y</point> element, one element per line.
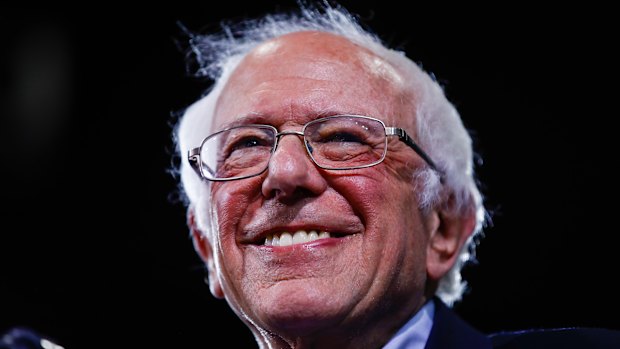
<point>250,119</point>
<point>263,119</point>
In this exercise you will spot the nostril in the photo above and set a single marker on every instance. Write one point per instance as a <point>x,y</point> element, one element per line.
<point>291,197</point>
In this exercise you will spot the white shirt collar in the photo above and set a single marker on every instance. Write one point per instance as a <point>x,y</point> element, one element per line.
<point>414,334</point>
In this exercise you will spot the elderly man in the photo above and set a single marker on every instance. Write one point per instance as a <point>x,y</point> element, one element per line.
<point>331,192</point>
<point>330,188</point>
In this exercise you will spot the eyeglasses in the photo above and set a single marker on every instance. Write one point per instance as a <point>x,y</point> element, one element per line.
<point>339,142</point>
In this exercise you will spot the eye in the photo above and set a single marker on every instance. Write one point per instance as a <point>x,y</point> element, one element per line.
<point>247,142</point>
<point>342,137</point>
<point>248,145</point>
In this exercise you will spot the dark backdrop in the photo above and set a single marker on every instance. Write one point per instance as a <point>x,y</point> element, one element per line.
<point>94,250</point>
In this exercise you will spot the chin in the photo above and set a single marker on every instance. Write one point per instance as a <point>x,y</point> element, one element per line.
<point>298,310</point>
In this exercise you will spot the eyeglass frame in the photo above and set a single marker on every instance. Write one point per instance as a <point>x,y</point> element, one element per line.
<point>193,155</point>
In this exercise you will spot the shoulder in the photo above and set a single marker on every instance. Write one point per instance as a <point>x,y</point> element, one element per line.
<point>566,338</point>
<point>451,332</point>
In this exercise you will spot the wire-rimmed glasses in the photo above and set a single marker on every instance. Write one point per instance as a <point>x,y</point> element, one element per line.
<point>339,142</point>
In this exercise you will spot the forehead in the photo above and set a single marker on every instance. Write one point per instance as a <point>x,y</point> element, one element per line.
<point>302,76</point>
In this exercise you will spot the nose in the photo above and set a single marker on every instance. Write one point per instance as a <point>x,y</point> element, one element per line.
<point>291,172</point>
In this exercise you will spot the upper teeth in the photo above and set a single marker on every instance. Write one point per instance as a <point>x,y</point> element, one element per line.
<point>299,237</point>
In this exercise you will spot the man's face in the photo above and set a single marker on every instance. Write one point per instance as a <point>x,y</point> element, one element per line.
<point>373,263</point>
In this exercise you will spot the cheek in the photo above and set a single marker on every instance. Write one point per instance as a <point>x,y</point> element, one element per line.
<point>388,206</point>
<point>385,206</point>
<point>379,195</point>
<point>232,201</point>
<point>394,248</point>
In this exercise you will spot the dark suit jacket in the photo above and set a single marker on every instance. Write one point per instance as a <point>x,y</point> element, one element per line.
<point>451,332</point>
<point>564,338</point>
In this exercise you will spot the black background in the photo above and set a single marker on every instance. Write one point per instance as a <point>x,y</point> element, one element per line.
<point>94,250</point>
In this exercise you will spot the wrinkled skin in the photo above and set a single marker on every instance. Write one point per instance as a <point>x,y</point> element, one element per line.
<point>354,290</point>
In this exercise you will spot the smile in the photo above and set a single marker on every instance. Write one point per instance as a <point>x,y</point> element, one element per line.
<point>299,237</point>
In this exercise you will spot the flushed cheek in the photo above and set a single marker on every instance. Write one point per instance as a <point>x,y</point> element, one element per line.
<point>395,237</point>
<point>376,197</point>
<point>388,208</point>
<point>231,203</point>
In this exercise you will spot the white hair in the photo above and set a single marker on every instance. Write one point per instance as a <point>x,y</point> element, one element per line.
<point>439,129</point>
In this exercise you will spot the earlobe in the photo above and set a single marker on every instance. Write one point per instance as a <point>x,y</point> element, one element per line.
<point>203,247</point>
<point>451,232</point>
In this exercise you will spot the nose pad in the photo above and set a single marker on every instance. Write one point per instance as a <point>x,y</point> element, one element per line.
<point>291,171</point>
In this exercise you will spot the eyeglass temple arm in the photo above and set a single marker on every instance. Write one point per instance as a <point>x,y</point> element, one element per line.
<point>192,158</point>
<point>403,136</point>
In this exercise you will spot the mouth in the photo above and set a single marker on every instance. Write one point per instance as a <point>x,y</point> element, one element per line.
<point>297,238</point>
<point>288,237</point>
<point>309,227</point>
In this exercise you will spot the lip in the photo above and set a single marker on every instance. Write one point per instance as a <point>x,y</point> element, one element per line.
<point>258,238</point>
<point>306,246</point>
<point>309,214</point>
<point>299,261</point>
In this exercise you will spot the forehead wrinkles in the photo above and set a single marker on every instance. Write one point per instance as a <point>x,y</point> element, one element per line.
<point>314,73</point>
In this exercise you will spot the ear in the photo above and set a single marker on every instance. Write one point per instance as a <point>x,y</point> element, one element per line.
<point>203,247</point>
<point>451,229</point>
